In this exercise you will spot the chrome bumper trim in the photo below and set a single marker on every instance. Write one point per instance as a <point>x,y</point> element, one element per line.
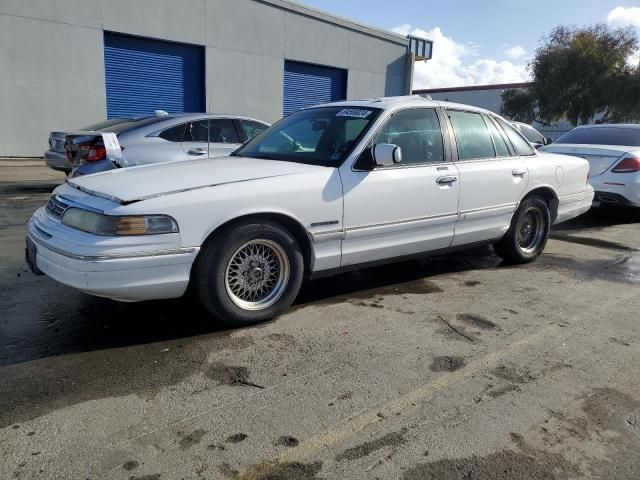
<point>119,256</point>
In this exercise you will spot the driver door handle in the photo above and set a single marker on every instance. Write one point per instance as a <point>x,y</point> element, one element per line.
<point>519,172</point>
<point>446,180</point>
<point>197,151</point>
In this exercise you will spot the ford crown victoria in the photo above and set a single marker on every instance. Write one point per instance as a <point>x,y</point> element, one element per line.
<point>326,189</point>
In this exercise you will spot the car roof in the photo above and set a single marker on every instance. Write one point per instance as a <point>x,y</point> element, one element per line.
<point>192,116</point>
<point>634,126</point>
<point>392,103</point>
<point>163,122</point>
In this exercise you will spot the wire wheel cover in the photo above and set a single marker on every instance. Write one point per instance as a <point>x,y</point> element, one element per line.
<point>257,274</point>
<point>531,227</point>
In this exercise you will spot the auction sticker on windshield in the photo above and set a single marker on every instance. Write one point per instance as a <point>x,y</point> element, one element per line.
<point>354,113</point>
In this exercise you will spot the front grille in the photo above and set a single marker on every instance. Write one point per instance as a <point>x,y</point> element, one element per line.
<point>56,207</point>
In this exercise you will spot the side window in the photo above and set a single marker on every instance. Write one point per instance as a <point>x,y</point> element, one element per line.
<point>173,134</point>
<point>197,131</point>
<point>222,130</point>
<point>251,128</point>
<point>417,132</point>
<point>498,139</point>
<point>531,134</point>
<point>472,135</point>
<point>521,146</point>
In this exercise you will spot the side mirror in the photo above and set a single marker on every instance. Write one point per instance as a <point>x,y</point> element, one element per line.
<point>386,154</point>
<point>548,141</point>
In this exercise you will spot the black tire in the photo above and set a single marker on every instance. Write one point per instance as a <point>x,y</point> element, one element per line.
<point>515,248</point>
<point>211,269</point>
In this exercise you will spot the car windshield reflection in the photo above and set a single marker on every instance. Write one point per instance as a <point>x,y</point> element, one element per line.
<point>320,136</point>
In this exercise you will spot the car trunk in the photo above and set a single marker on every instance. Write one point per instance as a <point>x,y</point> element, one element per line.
<point>57,141</point>
<point>600,157</point>
<point>77,146</point>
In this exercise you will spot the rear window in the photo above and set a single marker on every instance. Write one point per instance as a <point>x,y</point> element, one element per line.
<point>531,134</point>
<point>603,136</point>
<point>131,124</point>
<point>106,124</point>
<point>520,144</point>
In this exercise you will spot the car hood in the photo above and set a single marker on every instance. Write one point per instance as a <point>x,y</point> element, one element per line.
<point>128,185</point>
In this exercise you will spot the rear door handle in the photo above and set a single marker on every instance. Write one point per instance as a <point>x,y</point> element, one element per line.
<point>519,172</point>
<point>446,180</point>
<point>197,151</point>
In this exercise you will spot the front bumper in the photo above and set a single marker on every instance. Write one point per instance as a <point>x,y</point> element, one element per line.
<point>127,277</point>
<point>574,205</point>
<point>57,161</point>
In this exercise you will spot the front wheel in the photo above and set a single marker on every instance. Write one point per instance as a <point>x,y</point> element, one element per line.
<point>249,273</point>
<point>528,233</point>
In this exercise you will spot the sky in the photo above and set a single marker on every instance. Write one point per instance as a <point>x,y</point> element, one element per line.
<point>480,42</point>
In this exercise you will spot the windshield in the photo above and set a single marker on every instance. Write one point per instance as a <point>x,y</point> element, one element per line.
<point>319,136</point>
<point>603,136</point>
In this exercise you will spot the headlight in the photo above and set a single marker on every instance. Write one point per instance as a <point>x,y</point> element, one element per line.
<point>110,225</point>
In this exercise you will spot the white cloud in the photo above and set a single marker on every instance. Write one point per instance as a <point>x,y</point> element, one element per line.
<point>456,64</point>
<point>623,17</point>
<point>515,52</point>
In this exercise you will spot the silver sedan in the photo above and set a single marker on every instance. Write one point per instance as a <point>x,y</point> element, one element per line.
<point>163,138</point>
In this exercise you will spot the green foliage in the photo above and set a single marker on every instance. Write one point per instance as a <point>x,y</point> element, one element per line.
<point>580,74</point>
<point>519,105</point>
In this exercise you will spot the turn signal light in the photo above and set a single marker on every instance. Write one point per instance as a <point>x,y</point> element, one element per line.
<point>132,226</point>
<point>628,165</point>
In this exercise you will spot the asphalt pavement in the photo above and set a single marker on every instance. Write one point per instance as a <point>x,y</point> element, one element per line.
<point>455,367</point>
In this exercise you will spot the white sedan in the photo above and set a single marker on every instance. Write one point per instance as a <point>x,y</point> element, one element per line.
<point>327,189</point>
<point>613,153</point>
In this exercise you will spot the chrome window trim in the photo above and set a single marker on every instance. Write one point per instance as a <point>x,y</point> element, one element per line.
<point>410,165</point>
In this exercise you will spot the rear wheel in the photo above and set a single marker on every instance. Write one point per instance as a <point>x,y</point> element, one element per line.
<point>249,273</point>
<point>528,233</point>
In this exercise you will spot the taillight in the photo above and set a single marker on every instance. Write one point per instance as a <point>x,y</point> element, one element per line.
<point>96,152</point>
<point>628,165</point>
<point>93,153</point>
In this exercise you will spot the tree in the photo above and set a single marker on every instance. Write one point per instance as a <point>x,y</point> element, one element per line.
<point>581,75</point>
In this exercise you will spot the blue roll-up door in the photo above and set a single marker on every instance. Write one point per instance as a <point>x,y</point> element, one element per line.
<point>143,75</point>
<point>306,85</point>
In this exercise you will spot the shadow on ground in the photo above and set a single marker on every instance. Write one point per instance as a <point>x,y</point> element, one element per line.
<point>601,218</point>
<point>58,320</point>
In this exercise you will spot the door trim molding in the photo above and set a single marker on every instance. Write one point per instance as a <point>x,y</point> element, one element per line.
<point>402,222</point>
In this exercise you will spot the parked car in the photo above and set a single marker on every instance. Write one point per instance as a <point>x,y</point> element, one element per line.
<point>613,153</point>
<point>326,189</point>
<point>56,156</point>
<point>162,138</point>
<point>530,133</point>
